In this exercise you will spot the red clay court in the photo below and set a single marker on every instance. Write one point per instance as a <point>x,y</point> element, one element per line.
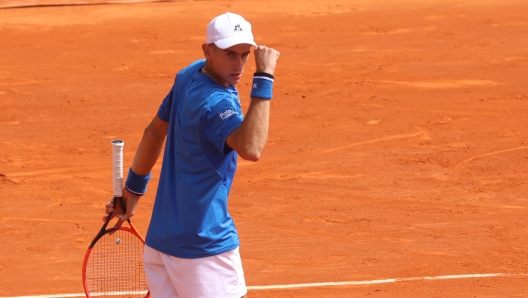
<point>398,143</point>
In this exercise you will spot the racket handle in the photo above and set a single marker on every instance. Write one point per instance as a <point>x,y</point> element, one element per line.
<point>117,167</point>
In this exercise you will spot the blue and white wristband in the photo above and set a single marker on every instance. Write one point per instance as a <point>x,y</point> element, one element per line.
<point>137,184</point>
<point>262,85</point>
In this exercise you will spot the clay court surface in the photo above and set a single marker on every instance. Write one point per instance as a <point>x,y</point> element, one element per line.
<point>398,143</point>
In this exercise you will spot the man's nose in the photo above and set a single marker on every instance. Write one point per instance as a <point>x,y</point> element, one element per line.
<point>239,64</point>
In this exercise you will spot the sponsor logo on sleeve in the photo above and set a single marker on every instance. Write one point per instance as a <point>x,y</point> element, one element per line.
<point>227,113</point>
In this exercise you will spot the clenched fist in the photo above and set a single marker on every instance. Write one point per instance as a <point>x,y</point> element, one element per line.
<point>266,59</point>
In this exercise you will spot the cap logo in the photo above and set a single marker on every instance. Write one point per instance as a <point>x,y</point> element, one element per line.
<point>237,28</point>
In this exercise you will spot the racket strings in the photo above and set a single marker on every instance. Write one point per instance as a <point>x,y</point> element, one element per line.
<point>115,267</point>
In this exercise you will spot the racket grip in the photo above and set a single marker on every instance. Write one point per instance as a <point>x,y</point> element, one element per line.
<point>117,167</point>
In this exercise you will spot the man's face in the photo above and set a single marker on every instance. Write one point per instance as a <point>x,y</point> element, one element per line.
<point>228,64</point>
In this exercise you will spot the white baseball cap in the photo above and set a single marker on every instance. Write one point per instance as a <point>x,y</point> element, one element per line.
<point>229,29</point>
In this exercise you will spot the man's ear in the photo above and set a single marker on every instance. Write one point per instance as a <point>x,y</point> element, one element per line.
<point>206,50</point>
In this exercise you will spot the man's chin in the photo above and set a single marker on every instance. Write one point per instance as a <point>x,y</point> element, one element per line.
<point>235,78</point>
<point>233,82</point>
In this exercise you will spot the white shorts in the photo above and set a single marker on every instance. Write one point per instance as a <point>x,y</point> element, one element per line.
<point>219,276</point>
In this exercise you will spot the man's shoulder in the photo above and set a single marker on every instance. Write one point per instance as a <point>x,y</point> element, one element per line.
<point>192,68</point>
<point>185,78</point>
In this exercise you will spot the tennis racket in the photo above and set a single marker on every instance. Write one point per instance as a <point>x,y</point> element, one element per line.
<point>113,264</point>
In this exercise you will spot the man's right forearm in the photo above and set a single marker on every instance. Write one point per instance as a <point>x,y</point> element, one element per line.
<point>150,146</point>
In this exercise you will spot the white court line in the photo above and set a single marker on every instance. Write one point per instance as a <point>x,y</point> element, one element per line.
<point>320,284</point>
<point>381,281</point>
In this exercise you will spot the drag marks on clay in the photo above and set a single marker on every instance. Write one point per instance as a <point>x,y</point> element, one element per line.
<point>374,122</point>
<point>386,31</point>
<point>356,222</point>
<point>398,240</point>
<point>338,190</point>
<point>378,31</point>
<point>110,137</point>
<point>326,64</point>
<point>316,8</point>
<point>313,175</point>
<point>374,50</point>
<point>446,84</point>
<point>515,59</point>
<point>510,24</point>
<point>54,174</point>
<point>454,112</point>
<point>316,260</point>
<point>487,154</point>
<point>40,172</point>
<point>441,17</point>
<point>6,219</point>
<point>82,171</point>
<point>311,234</point>
<point>330,91</point>
<point>510,207</point>
<point>14,160</point>
<point>434,253</point>
<point>420,134</point>
<point>21,83</point>
<point>20,92</point>
<point>368,142</point>
<point>170,52</point>
<point>121,69</point>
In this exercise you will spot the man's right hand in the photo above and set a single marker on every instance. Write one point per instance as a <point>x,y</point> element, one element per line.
<point>266,59</point>
<point>130,200</point>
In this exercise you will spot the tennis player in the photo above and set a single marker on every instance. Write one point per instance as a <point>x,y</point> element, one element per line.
<point>192,245</point>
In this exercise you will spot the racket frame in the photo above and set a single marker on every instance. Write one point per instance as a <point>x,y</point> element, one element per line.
<point>117,180</point>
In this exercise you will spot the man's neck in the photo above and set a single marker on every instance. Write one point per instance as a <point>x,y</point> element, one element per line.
<point>208,72</point>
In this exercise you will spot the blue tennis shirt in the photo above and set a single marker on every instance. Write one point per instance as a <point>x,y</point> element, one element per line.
<point>190,218</point>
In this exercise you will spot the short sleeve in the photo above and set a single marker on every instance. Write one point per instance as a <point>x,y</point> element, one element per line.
<point>165,107</point>
<point>222,117</point>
